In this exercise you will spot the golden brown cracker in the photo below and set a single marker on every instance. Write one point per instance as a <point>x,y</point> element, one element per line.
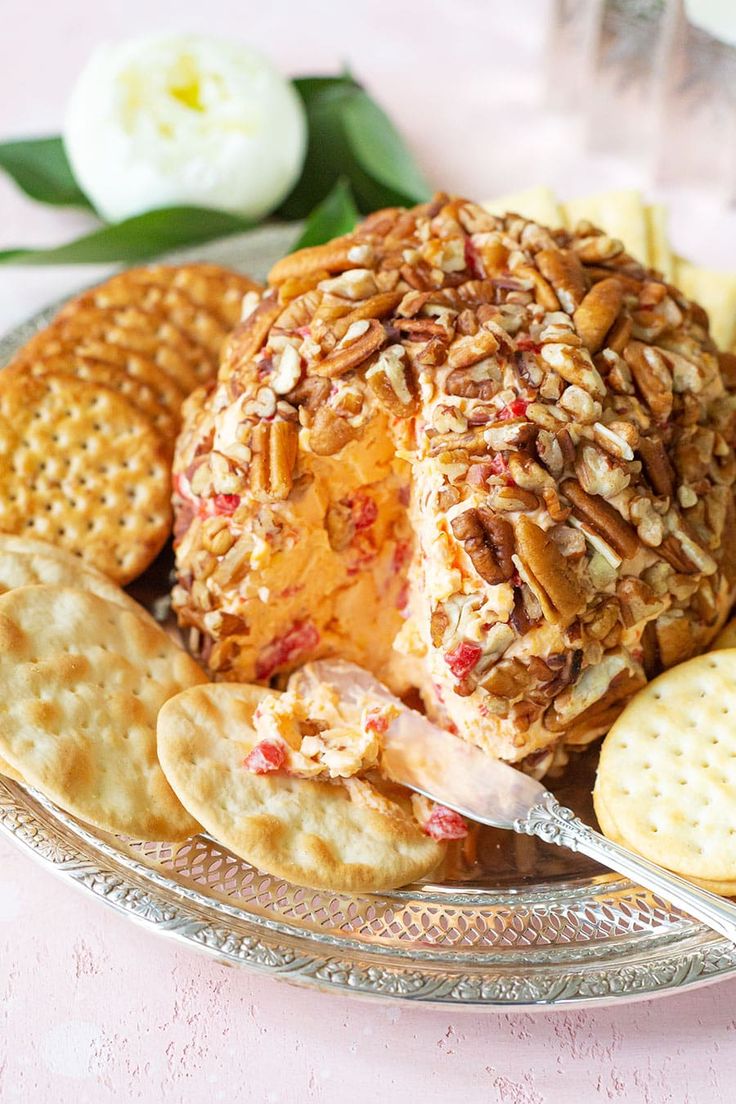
<point>217,289</point>
<point>200,325</point>
<point>143,396</point>
<point>667,771</point>
<point>137,331</point>
<point>83,680</point>
<point>82,468</point>
<point>307,831</point>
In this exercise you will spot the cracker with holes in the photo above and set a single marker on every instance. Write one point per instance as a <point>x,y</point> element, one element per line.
<point>82,468</point>
<point>217,289</point>
<point>147,333</point>
<point>198,324</point>
<point>666,784</point>
<point>83,680</point>
<point>311,832</point>
<point>159,403</point>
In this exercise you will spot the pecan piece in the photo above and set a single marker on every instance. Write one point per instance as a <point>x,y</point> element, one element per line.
<point>392,379</point>
<point>464,384</point>
<point>675,637</point>
<point>311,393</point>
<point>340,526</point>
<point>637,601</point>
<point>565,273</point>
<point>598,717</point>
<point>557,588</point>
<point>543,293</point>
<point>512,499</point>
<point>488,541</point>
<point>438,624</point>
<point>508,679</point>
<point>378,306</point>
<point>469,350</point>
<point>685,555</point>
<point>603,518</point>
<point>597,248</point>
<point>333,256</point>
<point>352,353</point>
<point>657,466</point>
<point>275,446</point>
<point>247,339</point>
<point>575,366</point>
<point>620,333</point>
<point>652,377</point>
<point>329,432</point>
<point>434,352</point>
<point>597,312</point>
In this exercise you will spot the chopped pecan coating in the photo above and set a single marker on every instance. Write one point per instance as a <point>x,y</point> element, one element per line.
<point>560,593</point>
<point>488,541</point>
<point>563,405</point>
<point>603,518</point>
<point>597,312</point>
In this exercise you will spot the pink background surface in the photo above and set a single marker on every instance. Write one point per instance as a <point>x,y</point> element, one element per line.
<point>92,1009</point>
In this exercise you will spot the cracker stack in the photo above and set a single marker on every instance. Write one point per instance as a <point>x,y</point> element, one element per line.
<point>90,409</point>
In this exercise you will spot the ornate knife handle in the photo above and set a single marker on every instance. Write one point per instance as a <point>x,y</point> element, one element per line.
<point>553,823</point>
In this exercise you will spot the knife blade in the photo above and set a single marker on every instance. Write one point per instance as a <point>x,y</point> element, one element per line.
<point>425,758</point>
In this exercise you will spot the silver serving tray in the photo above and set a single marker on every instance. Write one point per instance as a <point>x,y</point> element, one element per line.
<point>521,926</point>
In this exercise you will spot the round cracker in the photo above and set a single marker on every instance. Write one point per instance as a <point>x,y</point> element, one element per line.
<point>667,770</point>
<point>726,637</point>
<point>201,325</point>
<point>142,332</point>
<point>611,830</point>
<point>306,831</point>
<point>10,772</point>
<point>28,562</point>
<point>146,399</point>
<point>219,290</point>
<point>82,468</point>
<point>82,682</point>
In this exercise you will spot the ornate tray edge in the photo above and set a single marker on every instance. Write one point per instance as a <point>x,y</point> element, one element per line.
<point>255,949</point>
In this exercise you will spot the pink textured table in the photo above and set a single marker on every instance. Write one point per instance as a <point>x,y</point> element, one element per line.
<point>93,1009</point>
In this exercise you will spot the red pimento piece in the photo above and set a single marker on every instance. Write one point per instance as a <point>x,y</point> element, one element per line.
<point>226,503</point>
<point>376,721</point>
<point>401,556</point>
<point>265,757</point>
<point>526,345</point>
<point>463,658</point>
<point>516,579</point>
<point>364,510</point>
<point>300,638</point>
<point>445,824</point>
<point>402,598</point>
<point>479,473</point>
<point>515,409</point>
<point>473,263</point>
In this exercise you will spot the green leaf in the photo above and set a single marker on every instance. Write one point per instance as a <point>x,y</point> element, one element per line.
<point>40,168</point>
<point>334,216</point>
<point>379,148</point>
<point>137,238</point>
<point>350,137</point>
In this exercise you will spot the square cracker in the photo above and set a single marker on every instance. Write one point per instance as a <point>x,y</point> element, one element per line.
<point>620,213</point>
<point>539,204</point>
<point>716,292</point>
